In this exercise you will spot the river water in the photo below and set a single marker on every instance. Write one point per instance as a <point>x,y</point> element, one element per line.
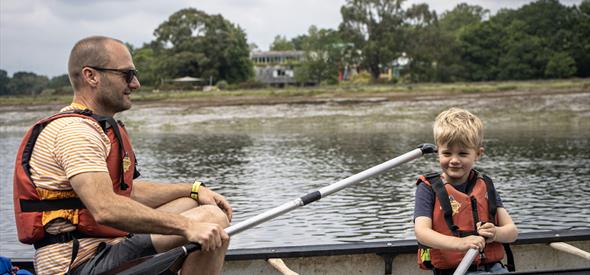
<point>537,152</point>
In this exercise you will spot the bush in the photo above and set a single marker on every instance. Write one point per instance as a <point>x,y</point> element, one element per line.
<point>222,84</point>
<point>251,84</point>
<point>561,65</point>
<point>361,78</point>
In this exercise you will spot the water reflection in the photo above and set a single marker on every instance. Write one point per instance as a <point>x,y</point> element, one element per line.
<point>184,157</point>
<point>537,151</point>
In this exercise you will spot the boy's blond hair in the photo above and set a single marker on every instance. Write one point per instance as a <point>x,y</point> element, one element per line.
<point>459,127</point>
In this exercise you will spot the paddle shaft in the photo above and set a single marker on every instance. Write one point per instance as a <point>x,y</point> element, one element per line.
<point>466,262</point>
<point>155,264</point>
<point>568,248</point>
<point>280,266</point>
<point>321,193</point>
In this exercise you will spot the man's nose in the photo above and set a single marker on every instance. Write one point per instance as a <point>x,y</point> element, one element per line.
<point>134,84</point>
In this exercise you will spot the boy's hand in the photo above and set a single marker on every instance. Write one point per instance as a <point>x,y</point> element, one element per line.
<point>487,230</point>
<point>472,241</point>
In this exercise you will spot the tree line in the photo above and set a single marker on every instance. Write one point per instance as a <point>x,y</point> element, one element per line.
<point>543,39</point>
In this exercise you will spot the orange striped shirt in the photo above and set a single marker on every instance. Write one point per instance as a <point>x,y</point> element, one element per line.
<point>67,147</point>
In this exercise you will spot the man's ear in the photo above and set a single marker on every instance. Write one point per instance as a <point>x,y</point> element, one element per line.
<point>90,76</point>
<point>480,152</point>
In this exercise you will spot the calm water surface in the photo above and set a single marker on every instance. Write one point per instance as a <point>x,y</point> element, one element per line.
<point>537,151</point>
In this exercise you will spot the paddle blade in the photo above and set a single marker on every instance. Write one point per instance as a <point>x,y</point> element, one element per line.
<point>154,264</point>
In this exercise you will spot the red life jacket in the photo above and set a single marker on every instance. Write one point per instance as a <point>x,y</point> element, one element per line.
<point>455,214</point>
<point>30,205</point>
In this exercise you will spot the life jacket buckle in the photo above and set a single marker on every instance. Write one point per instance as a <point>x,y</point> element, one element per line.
<point>86,112</point>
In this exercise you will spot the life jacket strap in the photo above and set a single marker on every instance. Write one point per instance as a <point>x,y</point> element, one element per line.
<point>75,249</point>
<point>50,205</point>
<point>443,196</point>
<point>109,122</point>
<point>491,190</point>
<point>59,238</point>
<point>509,257</point>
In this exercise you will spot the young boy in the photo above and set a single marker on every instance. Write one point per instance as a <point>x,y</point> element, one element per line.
<point>460,208</point>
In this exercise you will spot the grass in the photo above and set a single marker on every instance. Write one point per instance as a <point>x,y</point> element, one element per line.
<point>357,90</point>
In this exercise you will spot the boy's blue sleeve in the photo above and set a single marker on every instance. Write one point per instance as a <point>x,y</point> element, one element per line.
<point>424,201</point>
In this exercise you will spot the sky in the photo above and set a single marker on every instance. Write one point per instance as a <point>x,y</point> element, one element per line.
<point>37,35</point>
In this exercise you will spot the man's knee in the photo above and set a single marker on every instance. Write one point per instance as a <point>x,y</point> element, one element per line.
<point>214,214</point>
<point>179,205</point>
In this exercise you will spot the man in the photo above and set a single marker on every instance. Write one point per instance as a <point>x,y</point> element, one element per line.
<point>74,190</point>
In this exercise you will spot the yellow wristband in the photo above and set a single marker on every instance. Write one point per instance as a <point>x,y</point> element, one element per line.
<point>195,190</point>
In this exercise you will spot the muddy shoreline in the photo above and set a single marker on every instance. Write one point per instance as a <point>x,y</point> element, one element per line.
<point>335,98</point>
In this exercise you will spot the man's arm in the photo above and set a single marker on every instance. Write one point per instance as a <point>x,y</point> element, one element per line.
<point>155,194</point>
<point>96,192</point>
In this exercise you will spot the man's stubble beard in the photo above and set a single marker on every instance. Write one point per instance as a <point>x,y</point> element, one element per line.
<point>111,100</point>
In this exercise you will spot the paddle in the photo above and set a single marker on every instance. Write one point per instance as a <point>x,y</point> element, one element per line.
<point>568,248</point>
<point>280,266</point>
<point>466,262</point>
<point>159,263</point>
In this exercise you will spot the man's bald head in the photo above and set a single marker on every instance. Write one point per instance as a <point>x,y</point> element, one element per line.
<point>90,51</point>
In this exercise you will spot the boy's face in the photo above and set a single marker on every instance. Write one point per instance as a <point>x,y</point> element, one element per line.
<point>457,161</point>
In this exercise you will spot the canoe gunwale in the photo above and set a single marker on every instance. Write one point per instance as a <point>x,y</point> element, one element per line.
<point>387,248</point>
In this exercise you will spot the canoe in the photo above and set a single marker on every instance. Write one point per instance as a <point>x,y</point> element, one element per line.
<point>532,255</point>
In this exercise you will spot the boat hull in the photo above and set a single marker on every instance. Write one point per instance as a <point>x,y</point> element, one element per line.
<point>532,255</point>
<point>531,251</point>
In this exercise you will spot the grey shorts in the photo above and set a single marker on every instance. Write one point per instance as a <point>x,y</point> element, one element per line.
<point>111,256</point>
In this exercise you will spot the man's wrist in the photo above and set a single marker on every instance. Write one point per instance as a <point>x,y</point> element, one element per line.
<point>195,189</point>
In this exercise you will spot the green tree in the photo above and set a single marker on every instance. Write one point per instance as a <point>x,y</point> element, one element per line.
<point>325,52</point>
<point>297,42</point>
<point>461,16</point>
<point>539,29</point>
<point>585,7</point>
<point>524,55</point>
<point>194,43</point>
<point>518,44</point>
<point>424,46</point>
<point>581,39</point>
<point>27,83</point>
<point>253,47</point>
<point>446,46</point>
<point>59,82</point>
<point>147,65</point>
<point>4,83</point>
<point>560,65</point>
<point>481,47</point>
<point>281,43</point>
<point>375,27</point>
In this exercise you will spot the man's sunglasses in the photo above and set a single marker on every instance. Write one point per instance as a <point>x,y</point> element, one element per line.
<point>128,74</point>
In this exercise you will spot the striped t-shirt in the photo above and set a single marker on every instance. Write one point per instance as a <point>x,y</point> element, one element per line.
<point>67,147</point>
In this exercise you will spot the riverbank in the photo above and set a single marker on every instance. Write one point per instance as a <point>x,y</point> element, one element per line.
<point>324,94</point>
